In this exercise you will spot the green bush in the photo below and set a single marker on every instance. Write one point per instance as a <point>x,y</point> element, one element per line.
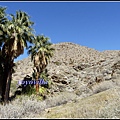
<point>29,88</point>
<point>44,75</point>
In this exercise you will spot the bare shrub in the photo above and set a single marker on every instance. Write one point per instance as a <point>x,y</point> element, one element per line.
<point>105,85</point>
<point>60,99</point>
<point>27,107</point>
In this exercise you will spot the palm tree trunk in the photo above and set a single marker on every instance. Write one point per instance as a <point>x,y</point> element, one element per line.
<point>7,90</point>
<point>4,80</point>
<point>1,79</point>
<point>37,83</point>
<point>3,89</point>
<point>6,83</point>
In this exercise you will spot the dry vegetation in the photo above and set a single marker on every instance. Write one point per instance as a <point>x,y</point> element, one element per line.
<point>84,81</point>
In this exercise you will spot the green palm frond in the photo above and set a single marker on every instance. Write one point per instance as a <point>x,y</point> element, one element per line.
<point>18,31</point>
<point>42,48</point>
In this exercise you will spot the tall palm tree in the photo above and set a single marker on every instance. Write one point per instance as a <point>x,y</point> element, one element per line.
<point>18,33</point>
<point>3,21</point>
<point>41,53</point>
<point>1,71</point>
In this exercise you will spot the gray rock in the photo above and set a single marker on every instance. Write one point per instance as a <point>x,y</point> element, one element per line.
<point>108,77</point>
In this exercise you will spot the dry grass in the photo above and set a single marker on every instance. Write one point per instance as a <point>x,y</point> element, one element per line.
<point>30,107</point>
<point>97,106</point>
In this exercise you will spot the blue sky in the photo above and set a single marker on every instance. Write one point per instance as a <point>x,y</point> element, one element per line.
<point>92,24</point>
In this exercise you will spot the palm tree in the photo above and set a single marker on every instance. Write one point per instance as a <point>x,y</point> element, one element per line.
<point>3,21</point>
<point>1,71</point>
<point>41,53</point>
<point>18,32</point>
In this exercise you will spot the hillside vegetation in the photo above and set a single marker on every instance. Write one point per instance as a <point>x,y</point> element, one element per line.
<point>81,78</point>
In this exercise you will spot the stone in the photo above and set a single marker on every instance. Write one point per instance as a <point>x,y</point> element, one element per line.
<point>108,77</point>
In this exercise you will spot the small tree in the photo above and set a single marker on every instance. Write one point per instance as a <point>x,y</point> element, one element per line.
<point>41,53</point>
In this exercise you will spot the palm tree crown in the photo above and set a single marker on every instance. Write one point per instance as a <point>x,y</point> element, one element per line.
<point>41,52</point>
<point>18,32</point>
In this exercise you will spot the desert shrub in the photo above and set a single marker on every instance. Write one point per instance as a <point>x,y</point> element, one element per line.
<point>60,99</point>
<point>105,85</point>
<point>27,89</point>
<point>30,90</point>
<point>42,90</point>
<point>25,109</point>
<point>13,85</point>
<point>57,63</point>
<point>45,76</point>
<point>28,107</point>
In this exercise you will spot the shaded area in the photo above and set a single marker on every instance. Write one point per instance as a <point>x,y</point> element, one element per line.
<point>23,88</point>
<point>27,87</point>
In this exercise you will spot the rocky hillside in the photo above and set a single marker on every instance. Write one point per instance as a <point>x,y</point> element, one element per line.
<point>77,70</point>
<point>74,66</point>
